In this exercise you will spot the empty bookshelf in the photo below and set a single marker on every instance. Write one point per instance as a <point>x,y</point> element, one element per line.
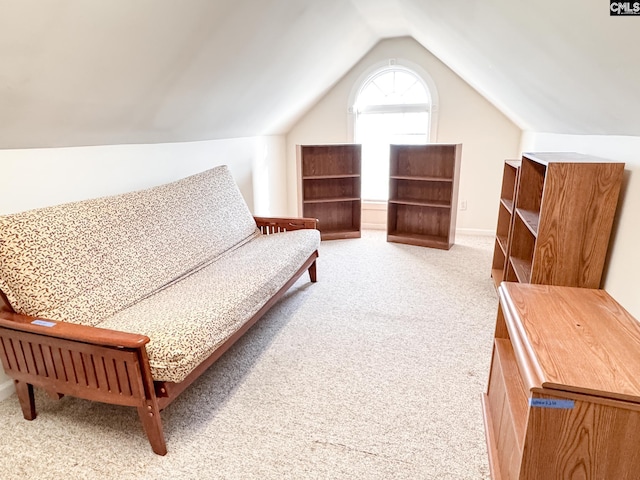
<point>330,188</point>
<point>505,219</point>
<point>565,204</point>
<point>423,194</point>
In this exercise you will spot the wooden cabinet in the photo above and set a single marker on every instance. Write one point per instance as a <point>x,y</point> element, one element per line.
<point>505,219</point>
<point>565,205</point>
<point>423,194</point>
<point>330,188</point>
<point>563,398</point>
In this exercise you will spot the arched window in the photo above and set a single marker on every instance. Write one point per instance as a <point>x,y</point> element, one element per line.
<point>393,106</point>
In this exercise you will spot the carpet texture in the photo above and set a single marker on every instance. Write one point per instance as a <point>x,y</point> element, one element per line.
<point>374,372</point>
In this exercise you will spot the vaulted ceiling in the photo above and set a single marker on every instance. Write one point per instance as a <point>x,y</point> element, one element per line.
<point>96,72</point>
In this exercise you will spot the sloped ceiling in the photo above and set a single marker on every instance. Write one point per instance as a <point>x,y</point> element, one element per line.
<point>96,72</point>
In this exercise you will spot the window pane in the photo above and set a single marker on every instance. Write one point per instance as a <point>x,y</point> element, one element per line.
<point>385,83</point>
<point>392,89</point>
<point>376,132</point>
<point>416,93</point>
<point>371,95</point>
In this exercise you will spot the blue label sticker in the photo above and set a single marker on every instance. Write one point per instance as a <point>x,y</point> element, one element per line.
<point>44,323</point>
<point>551,403</point>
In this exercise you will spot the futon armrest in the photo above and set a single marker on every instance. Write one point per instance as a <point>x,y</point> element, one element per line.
<point>72,331</point>
<point>269,225</point>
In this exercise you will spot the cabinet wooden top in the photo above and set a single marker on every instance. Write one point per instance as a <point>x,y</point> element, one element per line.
<point>566,157</point>
<point>513,163</point>
<point>574,339</point>
<point>346,146</point>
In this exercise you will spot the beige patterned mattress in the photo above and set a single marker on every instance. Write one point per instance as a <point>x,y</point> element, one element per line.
<point>188,320</point>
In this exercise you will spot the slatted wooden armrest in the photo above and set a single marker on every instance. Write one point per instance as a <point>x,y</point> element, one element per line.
<point>268,225</point>
<point>72,331</point>
<point>87,362</point>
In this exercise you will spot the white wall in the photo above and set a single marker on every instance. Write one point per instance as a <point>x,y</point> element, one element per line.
<point>464,116</point>
<point>622,272</point>
<point>33,178</point>
<point>39,177</point>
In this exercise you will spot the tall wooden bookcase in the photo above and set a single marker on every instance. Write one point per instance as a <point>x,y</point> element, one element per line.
<point>330,188</point>
<point>423,194</point>
<point>560,224</point>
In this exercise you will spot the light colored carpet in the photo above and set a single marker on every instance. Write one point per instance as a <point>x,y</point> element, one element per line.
<point>374,372</point>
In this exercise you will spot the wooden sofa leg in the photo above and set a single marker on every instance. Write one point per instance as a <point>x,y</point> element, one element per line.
<point>312,272</point>
<point>27,399</point>
<point>152,423</point>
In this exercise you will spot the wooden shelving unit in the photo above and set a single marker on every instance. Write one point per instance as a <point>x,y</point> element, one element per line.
<point>563,397</point>
<point>560,221</point>
<point>423,194</point>
<point>510,174</point>
<point>330,188</point>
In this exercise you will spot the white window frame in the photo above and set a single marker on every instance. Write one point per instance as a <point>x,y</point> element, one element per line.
<point>369,75</point>
<point>374,71</point>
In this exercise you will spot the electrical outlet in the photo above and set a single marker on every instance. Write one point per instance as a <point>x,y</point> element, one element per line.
<point>463,205</point>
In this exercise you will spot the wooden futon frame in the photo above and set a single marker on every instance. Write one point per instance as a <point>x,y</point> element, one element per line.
<point>107,365</point>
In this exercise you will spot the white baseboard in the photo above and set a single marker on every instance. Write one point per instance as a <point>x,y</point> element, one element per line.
<point>461,231</point>
<point>6,389</point>
<point>476,231</point>
<point>373,226</point>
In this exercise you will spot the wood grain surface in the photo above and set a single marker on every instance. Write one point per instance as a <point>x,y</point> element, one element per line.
<point>583,340</point>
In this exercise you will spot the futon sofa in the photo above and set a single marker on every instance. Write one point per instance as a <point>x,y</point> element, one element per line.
<point>128,299</point>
